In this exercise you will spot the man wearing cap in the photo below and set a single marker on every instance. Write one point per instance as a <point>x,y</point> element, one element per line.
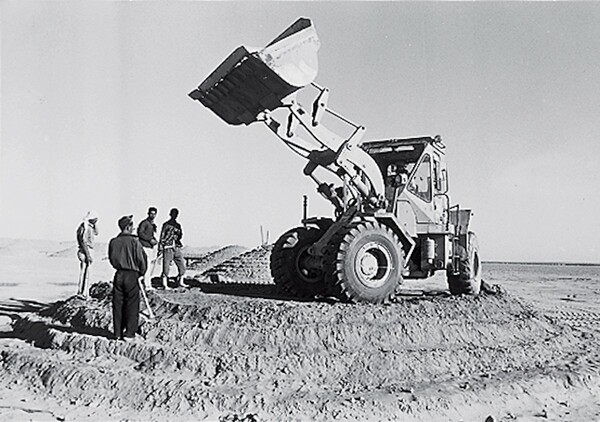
<point>86,232</point>
<point>146,232</point>
<point>170,246</point>
<point>127,256</point>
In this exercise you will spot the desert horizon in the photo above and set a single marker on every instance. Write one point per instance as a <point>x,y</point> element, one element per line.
<point>195,247</point>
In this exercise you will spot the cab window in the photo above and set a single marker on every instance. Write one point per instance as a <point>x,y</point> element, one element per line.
<point>420,184</point>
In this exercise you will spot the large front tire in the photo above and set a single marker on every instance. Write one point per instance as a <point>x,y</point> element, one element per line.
<point>293,268</point>
<point>367,266</point>
<point>468,279</point>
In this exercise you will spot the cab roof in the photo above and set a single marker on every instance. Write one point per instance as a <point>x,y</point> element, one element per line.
<point>395,144</point>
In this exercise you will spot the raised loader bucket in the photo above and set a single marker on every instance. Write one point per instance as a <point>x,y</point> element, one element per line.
<point>248,83</point>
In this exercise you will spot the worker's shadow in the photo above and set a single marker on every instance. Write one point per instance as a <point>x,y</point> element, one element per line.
<point>21,305</point>
<point>39,333</point>
<point>36,332</point>
<point>10,313</point>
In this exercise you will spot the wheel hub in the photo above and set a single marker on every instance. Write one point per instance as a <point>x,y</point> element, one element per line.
<point>308,267</point>
<point>373,264</point>
<point>368,265</point>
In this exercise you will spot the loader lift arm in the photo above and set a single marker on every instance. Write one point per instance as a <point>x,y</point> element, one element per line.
<point>248,86</point>
<point>358,171</point>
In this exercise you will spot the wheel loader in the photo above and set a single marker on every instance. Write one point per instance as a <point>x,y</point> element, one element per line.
<point>392,217</point>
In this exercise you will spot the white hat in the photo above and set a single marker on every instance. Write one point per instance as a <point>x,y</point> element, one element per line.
<point>91,215</point>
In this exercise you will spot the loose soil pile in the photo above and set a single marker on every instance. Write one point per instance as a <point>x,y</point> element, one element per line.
<point>251,267</point>
<point>212,258</point>
<point>228,357</point>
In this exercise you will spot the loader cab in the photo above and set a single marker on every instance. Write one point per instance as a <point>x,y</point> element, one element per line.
<point>415,180</point>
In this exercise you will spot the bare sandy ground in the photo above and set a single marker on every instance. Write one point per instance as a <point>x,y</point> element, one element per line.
<point>228,349</point>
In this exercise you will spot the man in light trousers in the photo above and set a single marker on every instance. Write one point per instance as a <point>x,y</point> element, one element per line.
<point>86,233</point>
<point>146,232</point>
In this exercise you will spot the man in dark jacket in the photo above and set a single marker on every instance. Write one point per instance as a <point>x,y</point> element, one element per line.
<point>146,233</point>
<point>127,256</point>
<point>170,246</point>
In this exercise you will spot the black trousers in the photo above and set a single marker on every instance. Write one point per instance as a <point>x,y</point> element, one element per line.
<point>126,303</point>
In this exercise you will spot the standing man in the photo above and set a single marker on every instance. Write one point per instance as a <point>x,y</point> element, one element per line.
<point>127,256</point>
<point>170,245</point>
<point>86,233</point>
<point>146,232</point>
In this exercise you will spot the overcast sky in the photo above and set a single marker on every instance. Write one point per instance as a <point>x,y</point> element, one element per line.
<point>95,115</point>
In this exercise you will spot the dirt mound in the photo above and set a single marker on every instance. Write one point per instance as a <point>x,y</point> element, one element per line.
<point>230,358</point>
<point>211,258</point>
<point>194,253</point>
<point>101,291</point>
<point>251,267</point>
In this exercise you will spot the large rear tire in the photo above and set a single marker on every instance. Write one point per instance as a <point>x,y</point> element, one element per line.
<point>367,262</point>
<point>293,268</point>
<point>468,279</point>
